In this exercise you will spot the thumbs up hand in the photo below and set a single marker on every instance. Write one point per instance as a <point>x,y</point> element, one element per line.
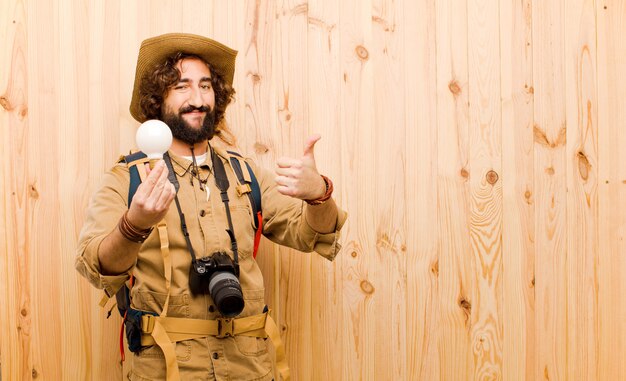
<point>299,178</point>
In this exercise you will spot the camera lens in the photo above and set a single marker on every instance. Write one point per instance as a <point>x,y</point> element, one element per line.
<point>226,292</point>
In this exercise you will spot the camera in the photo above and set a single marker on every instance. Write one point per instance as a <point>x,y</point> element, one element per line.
<point>217,275</point>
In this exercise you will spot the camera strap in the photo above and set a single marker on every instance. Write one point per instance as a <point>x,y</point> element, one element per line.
<point>222,183</point>
<point>221,180</point>
<point>183,225</point>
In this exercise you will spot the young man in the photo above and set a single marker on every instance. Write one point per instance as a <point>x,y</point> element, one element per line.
<point>197,307</point>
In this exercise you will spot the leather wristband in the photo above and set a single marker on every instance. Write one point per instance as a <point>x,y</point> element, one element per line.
<point>131,232</point>
<point>327,194</point>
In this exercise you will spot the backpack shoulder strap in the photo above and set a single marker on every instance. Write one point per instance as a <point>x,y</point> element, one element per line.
<point>248,184</point>
<point>136,174</point>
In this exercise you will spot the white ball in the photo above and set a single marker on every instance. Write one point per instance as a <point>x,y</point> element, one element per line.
<point>154,138</point>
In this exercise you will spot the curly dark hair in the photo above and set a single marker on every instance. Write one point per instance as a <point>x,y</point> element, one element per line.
<point>155,85</point>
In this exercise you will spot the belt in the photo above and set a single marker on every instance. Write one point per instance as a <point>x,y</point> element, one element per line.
<point>179,329</point>
<point>164,331</point>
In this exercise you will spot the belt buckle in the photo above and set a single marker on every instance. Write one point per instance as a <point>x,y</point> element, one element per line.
<point>147,323</point>
<point>224,328</point>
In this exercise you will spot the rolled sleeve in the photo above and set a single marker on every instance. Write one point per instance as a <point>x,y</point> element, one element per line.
<point>88,265</point>
<point>325,244</point>
<point>105,208</point>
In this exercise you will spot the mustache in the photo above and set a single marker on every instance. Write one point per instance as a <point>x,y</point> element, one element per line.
<point>188,109</point>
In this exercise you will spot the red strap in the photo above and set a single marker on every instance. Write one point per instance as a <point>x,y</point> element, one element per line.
<point>257,235</point>
<point>122,338</point>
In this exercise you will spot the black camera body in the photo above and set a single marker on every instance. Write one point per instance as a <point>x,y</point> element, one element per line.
<point>218,276</point>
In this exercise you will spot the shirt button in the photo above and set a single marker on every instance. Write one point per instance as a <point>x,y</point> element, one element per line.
<point>215,355</point>
<point>202,213</point>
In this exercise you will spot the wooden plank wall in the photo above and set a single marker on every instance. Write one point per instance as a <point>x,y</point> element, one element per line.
<point>477,145</point>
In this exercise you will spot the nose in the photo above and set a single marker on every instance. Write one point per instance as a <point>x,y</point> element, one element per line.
<point>195,98</point>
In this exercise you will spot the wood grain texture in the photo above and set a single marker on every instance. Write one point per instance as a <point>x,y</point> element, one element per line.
<point>43,237</point>
<point>476,145</point>
<point>550,132</point>
<point>388,275</point>
<point>357,156</point>
<point>455,280</point>
<point>324,77</point>
<point>518,221</point>
<point>582,185</point>
<point>611,66</point>
<point>485,162</point>
<point>290,73</point>
<point>15,282</point>
<point>417,25</point>
<point>255,133</point>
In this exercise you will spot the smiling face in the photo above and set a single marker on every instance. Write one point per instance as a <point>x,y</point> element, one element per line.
<point>189,105</point>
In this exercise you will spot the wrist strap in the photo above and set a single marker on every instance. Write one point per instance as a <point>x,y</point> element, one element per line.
<point>326,196</point>
<point>131,232</point>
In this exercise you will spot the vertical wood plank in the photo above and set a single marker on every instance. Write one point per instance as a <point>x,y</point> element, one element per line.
<point>324,77</point>
<point>101,145</point>
<point>43,237</point>
<point>358,155</point>
<point>164,16</point>
<point>132,30</point>
<point>388,274</point>
<point>582,184</point>
<point>485,186</point>
<point>229,27</point>
<point>550,190</point>
<point>290,73</point>
<point>15,283</point>
<point>455,278</point>
<point>259,120</point>
<point>419,60</point>
<point>518,258</point>
<point>200,17</point>
<point>611,70</point>
<point>258,58</point>
<point>74,105</point>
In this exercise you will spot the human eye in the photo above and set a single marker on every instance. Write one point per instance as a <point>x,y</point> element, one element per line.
<point>181,86</point>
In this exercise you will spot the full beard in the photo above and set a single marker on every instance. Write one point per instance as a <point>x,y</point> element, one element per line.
<point>182,131</point>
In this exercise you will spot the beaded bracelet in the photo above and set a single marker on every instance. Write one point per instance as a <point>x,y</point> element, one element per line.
<point>327,194</point>
<point>131,232</point>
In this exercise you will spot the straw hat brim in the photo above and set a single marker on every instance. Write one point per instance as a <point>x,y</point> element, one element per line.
<point>156,49</point>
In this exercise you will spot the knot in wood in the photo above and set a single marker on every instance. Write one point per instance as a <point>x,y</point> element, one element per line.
<point>367,287</point>
<point>492,177</point>
<point>454,87</point>
<point>362,52</point>
<point>4,102</point>
<point>464,173</point>
<point>32,192</point>
<point>260,148</point>
<point>583,166</point>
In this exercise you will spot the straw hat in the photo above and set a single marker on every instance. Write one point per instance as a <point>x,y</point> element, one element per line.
<point>156,49</point>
